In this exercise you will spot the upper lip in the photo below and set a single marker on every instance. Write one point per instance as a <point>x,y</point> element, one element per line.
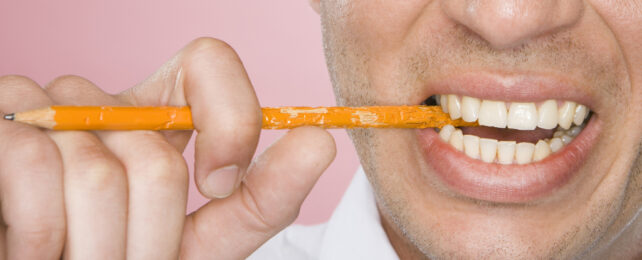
<point>514,87</point>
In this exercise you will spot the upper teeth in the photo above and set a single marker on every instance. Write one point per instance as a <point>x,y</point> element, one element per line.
<point>519,115</point>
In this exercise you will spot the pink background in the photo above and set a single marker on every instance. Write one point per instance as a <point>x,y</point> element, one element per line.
<point>118,43</point>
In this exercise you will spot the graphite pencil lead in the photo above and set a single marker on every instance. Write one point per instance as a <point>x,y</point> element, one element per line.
<point>9,116</point>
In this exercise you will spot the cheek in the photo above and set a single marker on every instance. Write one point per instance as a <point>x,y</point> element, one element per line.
<point>623,19</point>
<point>372,45</point>
<point>374,24</point>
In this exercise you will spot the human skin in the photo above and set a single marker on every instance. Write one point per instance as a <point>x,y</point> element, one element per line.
<point>122,194</point>
<point>392,52</point>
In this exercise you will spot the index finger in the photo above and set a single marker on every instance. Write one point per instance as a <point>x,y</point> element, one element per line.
<point>209,76</point>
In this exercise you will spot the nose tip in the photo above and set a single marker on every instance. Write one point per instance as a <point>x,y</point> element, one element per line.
<point>509,23</point>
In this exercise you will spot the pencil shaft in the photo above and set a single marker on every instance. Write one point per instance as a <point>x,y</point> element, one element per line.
<point>359,117</point>
<point>122,118</point>
<point>180,118</point>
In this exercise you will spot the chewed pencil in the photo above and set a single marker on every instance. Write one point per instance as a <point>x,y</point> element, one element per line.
<point>180,118</point>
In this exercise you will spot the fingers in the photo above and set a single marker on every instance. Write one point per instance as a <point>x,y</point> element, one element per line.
<point>31,187</point>
<point>268,200</point>
<point>95,186</point>
<point>156,176</point>
<point>96,198</point>
<point>208,76</point>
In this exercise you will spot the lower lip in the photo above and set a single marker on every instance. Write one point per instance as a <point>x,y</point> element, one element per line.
<point>506,183</point>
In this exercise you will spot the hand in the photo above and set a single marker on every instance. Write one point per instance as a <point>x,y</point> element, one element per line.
<point>111,195</point>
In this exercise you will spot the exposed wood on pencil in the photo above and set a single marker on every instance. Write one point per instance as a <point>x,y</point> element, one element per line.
<point>180,118</point>
<point>40,117</point>
<point>359,117</point>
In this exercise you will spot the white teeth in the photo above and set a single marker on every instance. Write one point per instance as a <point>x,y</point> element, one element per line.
<point>547,116</point>
<point>488,148</point>
<point>556,144</point>
<point>574,131</point>
<point>566,114</point>
<point>542,150</point>
<point>471,146</point>
<point>522,116</point>
<point>524,153</point>
<point>443,101</point>
<point>506,152</point>
<point>566,139</point>
<point>470,108</point>
<point>445,132</point>
<point>454,107</point>
<point>581,112</point>
<point>457,140</point>
<point>492,113</point>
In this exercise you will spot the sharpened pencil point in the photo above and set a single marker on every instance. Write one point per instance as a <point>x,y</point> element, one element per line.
<point>9,116</point>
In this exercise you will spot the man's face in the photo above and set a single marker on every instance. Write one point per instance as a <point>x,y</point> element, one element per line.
<point>438,201</point>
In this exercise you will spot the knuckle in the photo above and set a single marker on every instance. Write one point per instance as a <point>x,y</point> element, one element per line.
<point>39,228</point>
<point>250,118</point>
<point>239,123</point>
<point>15,87</point>
<point>207,43</point>
<point>39,236</point>
<point>240,130</point>
<point>24,145</point>
<point>96,168</point>
<point>21,93</point>
<point>101,174</point>
<point>16,80</point>
<point>67,83</point>
<point>162,164</point>
<point>211,47</point>
<point>263,220</point>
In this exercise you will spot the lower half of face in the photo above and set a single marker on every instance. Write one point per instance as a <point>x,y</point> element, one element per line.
<point>554,169</point>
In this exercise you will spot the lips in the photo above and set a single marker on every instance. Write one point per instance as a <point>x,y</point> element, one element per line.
<point>531,158</point>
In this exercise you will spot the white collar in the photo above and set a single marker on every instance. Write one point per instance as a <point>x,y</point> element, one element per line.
<point>354,231</point>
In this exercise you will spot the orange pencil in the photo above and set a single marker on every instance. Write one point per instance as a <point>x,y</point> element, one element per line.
<point>180,118</point>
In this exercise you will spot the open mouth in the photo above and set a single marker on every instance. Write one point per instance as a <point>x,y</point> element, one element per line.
<point>511,132</point>
<point>534,135</point>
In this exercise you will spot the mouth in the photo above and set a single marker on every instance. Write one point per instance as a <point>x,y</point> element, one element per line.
<point>523,149</point>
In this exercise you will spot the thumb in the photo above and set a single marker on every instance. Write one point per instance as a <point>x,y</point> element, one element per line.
<point>268,200</point>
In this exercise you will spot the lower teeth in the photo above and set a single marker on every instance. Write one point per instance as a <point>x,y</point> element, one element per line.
<point>508,152</point>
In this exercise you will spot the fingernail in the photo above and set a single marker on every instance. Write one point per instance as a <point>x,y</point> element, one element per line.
<point>222,182</point>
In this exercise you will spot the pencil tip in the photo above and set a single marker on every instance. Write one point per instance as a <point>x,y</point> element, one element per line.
<point>9,116</point>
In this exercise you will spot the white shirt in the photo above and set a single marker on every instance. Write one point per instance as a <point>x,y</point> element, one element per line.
<point>353,232</point>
